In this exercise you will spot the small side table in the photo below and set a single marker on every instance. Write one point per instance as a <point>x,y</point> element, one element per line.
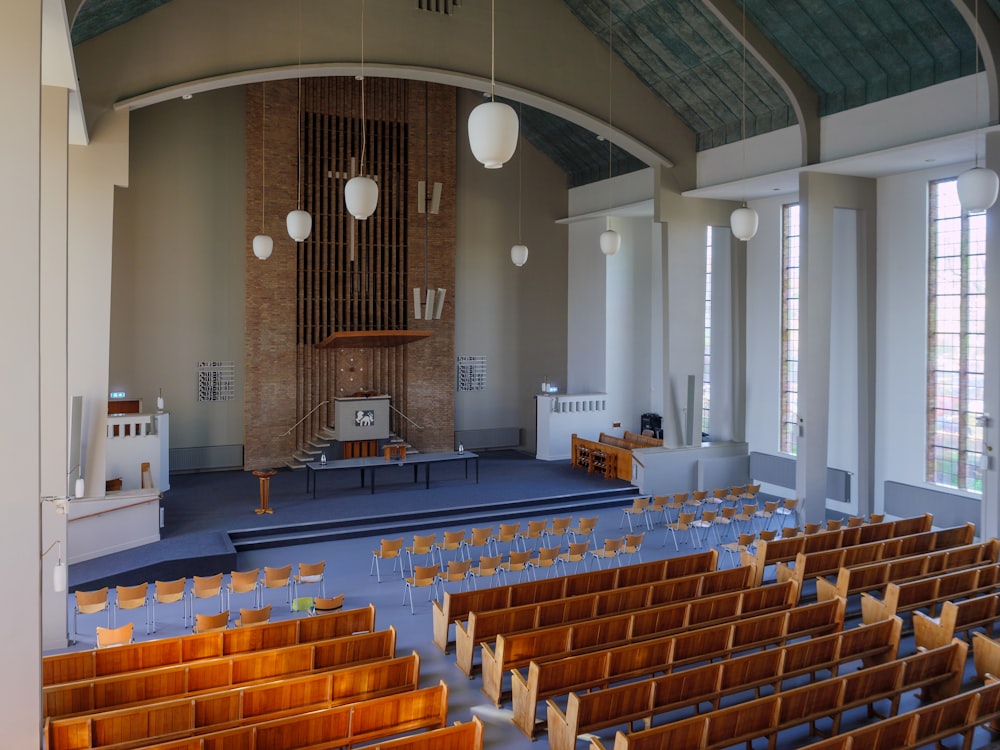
<point>265,489</point>
<point>394,450</point>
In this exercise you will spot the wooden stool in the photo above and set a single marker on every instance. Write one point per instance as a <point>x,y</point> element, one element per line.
<point>394,450</point>
<point>265,489</point>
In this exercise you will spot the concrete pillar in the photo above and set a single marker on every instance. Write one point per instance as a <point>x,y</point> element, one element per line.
<point>989,524</point>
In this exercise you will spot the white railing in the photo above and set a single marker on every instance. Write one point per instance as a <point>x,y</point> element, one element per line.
<point>568,403</point>
<point>130,425</point>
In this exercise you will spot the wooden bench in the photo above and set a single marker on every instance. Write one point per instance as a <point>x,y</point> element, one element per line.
<point>638,440</point>
<point>861,578</point>
<point>956,617</point>
<point>342,726</point>
<point>160,683</point>
<point>459,736</point>
<point>928,591</point>
<point>456,606</point>
<point>515,650</point>
<point>82,665</point>
<point>582,451</point>
<point>484,627</point>
<point>937,673</point>
<point>827,563</point>
<point>598,669</point>
<point>785,550</point>
<point>926,725</point>
<point>178,718</point>
<point>643,700</point>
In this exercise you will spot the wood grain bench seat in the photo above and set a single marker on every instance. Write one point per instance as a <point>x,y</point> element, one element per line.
<point>83,665</point>
<point>224,709</point>
<point>484,627</point>
<point>456,606</point>
<point>926,725</point>
<point>767,553</point>
<point>160,683</point>
<point>343,726</point>
<point>955,618</point>
<point>599,669</point>
<point>618,459</point>
<point>645,699</point>
<point>515,650</point>
<point>936,672</point>
<point>459,736</point>
<point>928,591</point>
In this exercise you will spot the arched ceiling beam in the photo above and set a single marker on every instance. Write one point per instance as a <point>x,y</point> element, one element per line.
<point>804,99</point>
<point>988,28</point>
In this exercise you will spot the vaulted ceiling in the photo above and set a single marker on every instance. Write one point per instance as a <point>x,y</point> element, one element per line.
<point>842,53</point>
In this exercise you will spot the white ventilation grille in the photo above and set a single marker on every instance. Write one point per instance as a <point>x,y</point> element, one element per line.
<point>216,381</point>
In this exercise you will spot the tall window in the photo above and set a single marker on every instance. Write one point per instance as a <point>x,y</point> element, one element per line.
<point>956,326</point>
<point>789,328</point>
<point>706,376</point>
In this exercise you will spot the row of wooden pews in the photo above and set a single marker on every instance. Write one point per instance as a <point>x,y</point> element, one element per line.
<point>332,679</point>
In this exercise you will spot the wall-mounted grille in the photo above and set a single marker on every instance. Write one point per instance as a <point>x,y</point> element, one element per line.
<point>216,381</point>
<point>439,6</point>
<point>471,375</point>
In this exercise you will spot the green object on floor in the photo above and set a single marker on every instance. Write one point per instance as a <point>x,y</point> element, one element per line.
<point>302,604</point>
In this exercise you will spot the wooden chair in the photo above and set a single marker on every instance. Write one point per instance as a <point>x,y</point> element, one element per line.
<point>253,616</point>
<point>322,605</point>
<point>423,544</point>
<point>169,592</point>
<point>768,535</point>
<point>736,493</point>
<point>786,509</point>
<point>751,493</point>
<point>546,558</point>
<point>834,524</point>
<point>743,543</point>
<point>633,546</point>
<point>697,498</point>
<point>787,532</point>
<point>718,496</point>
<point>707,525</point>
<point>766,513</point>
<point>812,528</point>
<point>610,551</point>
<point>746,517</point>
<point>458,570</point>
<point>559,530</point>
<point>480,540</point>
<point>640,506</point>
<point>424,576</point>
<point>657,510</point>
<point>243,582</point>
<point>577,553</point>
<point>206,587</point>
<point>115,636</point>
<point>389,549</point>
<point>584,528</point>
<point>518,562</point>
<point>211,623</point>
<point>508,534</point>
<point>453,541</point>
<point>131,597</point>
<point>683,523</point>
<point>876,518</point>
<point>534,534</point>
<point>277,578</point>
<point>310,573</point>
<point>725,520</point>
<point>90,603</point>
<point>489,567</point>
<point>855,521</point>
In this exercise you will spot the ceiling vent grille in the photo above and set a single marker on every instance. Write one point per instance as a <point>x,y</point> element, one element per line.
<point>446,7</point>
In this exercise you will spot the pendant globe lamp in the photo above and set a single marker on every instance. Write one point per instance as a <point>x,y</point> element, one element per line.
<point>299,222</point>
<point>493,125</point>
<point>361,191</point>
<point>519,252</point>
<point>263,245</point>
<point>610,241</point>
<point>977,187</point>
<point>743,221</point>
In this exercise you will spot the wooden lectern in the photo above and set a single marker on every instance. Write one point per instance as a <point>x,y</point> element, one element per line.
<point>265,489</point>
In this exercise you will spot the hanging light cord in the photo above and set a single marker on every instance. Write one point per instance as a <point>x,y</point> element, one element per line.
<point>611,48</point>
<point>743,104</point>
<point>975,34</point>
<point>263,127</point>
<point>364,140</point>
<point>520,172</point>
<point>493,47</point>
<point>298,119</point>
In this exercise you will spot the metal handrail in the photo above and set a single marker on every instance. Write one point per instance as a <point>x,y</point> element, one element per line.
<point>405,417</point>
<point>289,431</point>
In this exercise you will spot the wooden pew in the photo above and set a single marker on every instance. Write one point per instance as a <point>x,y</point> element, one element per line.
<point>937,673</point>
<point>342,726</point>
<point>456,606</point>
<point>180,717</point>
<point>619,465</point>
<point>467,736</point>
<point>821,564</point>
<point>484,627</point>
<point>598,669</point>
<point>82,665</point>
<point>160,683</point>
<point>956,617</point>
<point>515,650</point>
<point>646,699</point>
<point>785,550</point>
<point>959,715</point>
<point>928,592</point>
<point>642,441</point>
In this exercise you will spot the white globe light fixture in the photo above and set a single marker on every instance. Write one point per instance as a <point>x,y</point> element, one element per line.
<point>493,128</point>
<point>519,255</point>
<point>493,125</point>
<point>262,246</point>
<point>611,242</point>
<point>977,189</point>
<point>743,222</point>
<point>299,224</point>
<point>361,196</point>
